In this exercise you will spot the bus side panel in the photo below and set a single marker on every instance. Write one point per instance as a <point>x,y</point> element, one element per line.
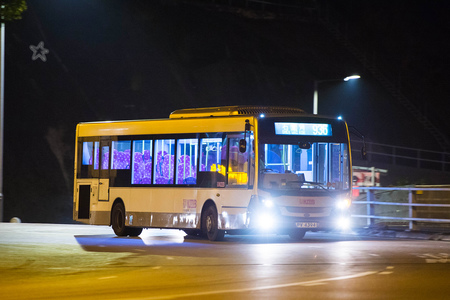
<point>161,207</point>
<point>232,206</point>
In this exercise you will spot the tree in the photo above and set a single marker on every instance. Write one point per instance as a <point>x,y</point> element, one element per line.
<point>12,9</point>
<point>9,10</point>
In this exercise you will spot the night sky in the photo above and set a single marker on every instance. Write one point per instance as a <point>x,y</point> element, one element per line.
<point>112,60</point>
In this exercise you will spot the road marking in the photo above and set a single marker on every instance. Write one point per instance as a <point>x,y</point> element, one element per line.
<point>268,287</point>
<point>108,277</point>
<point>314,284</point>
<point>435,258</point>
<point>385,273</point>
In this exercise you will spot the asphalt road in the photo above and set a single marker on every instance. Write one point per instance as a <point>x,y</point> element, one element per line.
<point>51,261</point>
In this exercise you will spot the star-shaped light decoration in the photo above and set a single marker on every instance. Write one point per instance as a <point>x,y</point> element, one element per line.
<point>39,52</point>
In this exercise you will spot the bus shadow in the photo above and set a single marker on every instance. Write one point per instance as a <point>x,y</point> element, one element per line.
<point>154,245</point>
<point>178,244</point>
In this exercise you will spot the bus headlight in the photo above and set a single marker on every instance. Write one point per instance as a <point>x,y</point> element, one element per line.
<point>343,204</point>
<point>343,223</point>
<point>267,203</point>
<point>265,221</point>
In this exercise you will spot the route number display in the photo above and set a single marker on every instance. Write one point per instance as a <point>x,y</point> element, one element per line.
<point>311,129</point>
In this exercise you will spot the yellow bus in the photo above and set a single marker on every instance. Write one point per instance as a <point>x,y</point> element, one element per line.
<point>213,171</point>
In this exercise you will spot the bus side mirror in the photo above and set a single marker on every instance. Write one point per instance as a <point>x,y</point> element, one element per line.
<point>242,146</point>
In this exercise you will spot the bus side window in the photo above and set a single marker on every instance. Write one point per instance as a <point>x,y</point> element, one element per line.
<point>212,168</point>
<point>96,155</point>
<point>163,170</point>
<point>86,159</point>
<point>105,158</point>
<point>120,163</point>
<point>186,161</point>
<point>142,162</point>
<point>238,162</point>
<point>88,154</point>
<point>120,159</point>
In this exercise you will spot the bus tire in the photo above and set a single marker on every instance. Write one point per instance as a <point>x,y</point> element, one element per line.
<point>297,234</point>
<point>210,224</point>
<point>134,231</point>
<point>118,220</point>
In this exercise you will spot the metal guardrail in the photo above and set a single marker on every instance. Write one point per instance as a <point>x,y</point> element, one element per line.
<point>411,205</point>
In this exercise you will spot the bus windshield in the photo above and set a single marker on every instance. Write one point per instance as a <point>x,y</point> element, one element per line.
<point>319,165</point>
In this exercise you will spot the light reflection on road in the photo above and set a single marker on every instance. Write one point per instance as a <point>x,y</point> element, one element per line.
<point>164,264</point>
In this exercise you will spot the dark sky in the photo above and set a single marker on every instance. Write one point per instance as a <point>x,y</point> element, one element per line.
<point>111,59</point>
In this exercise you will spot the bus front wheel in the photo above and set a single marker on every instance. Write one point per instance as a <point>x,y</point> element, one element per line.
<point>118,222</point>
<point>297,234</point>
<point>210,224</point>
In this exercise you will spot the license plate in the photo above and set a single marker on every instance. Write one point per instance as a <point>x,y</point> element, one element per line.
<point>307,224</point>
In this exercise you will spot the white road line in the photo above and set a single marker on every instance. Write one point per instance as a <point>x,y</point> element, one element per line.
<point>260,288</point>
<point>385,273</point>
<point>108,277</point>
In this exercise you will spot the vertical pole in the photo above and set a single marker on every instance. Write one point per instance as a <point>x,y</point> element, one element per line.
<point>372,174</point>
<point>370,208</point>
<point>316,98</point>
<point>2,73</point>
<point>412,210</point>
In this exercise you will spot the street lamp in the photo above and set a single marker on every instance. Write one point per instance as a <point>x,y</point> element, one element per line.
<point>316,90</point>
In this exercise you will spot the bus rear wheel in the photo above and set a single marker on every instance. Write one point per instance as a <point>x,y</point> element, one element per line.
<point>118,222</point>
<point>210,224</point>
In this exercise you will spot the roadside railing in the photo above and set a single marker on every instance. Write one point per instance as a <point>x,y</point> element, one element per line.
<point>417,207</point>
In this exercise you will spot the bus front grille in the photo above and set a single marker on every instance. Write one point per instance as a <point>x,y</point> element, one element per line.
<point>306,210</point>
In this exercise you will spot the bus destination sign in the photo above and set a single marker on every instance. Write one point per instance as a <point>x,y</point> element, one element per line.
<point>311,129</point>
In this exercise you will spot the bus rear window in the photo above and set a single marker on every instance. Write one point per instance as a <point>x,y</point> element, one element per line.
<point>87,153</point>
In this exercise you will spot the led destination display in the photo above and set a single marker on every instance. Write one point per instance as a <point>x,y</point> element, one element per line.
<point>312,129</point>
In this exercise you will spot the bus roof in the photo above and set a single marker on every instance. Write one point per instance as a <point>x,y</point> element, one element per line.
<point>232,119</point>
<point>237,110</point>
<point>163,126</point>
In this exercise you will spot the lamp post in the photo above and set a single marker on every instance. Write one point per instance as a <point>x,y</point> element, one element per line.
<point>8,12</point>
<point>2,114</point>
<point>316,90</point>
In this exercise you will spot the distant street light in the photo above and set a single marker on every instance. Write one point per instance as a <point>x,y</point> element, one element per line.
<point>316,90</point>
<point>352,77</point>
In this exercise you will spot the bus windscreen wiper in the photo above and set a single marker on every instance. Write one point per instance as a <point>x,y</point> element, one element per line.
<point>317,184</point>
